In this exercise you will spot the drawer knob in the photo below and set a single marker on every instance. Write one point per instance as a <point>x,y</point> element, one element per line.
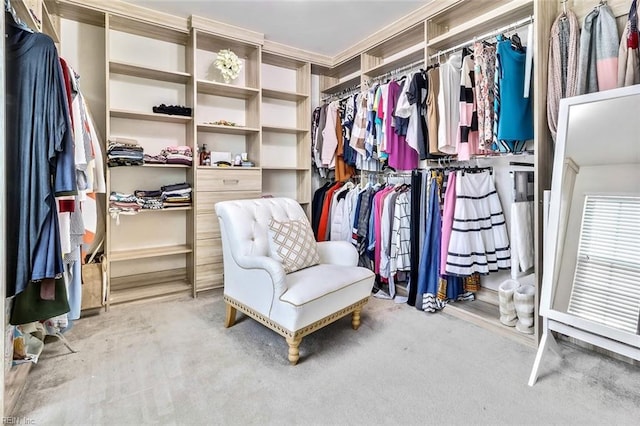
<point>230,181</point>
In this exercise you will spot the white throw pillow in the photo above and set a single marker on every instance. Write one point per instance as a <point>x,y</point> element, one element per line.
<point>292,243</point>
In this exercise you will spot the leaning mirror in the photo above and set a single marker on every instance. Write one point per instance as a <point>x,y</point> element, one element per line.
<point>591,282</point>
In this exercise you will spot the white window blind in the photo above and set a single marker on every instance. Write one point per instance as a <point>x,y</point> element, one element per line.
<point>606,285</point>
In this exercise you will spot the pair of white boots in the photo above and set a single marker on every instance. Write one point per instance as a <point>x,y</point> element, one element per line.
<point>517,305</point>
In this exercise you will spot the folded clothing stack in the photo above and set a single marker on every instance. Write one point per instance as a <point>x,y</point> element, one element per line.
<point>172,110</point>
<point>151,200</point>
<point>155,159</point>
<point>121,203</point>
<point>176,195</point>
<point>124,152</point>
<point>178,155</point>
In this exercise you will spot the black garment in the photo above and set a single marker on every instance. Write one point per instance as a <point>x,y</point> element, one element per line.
<point>322,122</point>
<point>316,207</point>
<point>416,195</point>
<point>175,187</point>
<point>417,94</point>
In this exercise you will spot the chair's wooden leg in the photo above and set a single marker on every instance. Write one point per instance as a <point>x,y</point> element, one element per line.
<point>230,317</point>
<point>355,319</point>
<point>294,353</point>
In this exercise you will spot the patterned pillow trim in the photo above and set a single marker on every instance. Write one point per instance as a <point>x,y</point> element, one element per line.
<point>293,244</point>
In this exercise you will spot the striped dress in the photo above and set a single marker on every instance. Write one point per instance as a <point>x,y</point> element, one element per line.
<point>479,241</point>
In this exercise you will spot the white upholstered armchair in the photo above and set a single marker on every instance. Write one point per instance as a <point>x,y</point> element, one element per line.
<point>256,283</point>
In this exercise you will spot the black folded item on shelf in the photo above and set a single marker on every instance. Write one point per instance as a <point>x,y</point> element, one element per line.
<point>118,162</point>
<point>149,193</point>
<point>172,110</point>
<point>175,187</point>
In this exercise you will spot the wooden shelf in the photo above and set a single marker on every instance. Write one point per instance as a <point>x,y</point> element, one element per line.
<point>286,168</point>
<point>77,12</point>
<point>481,23</point>
<point>346,67</point>
<point>166,209</point>
<point>404,40</point>
<point>227,130</point>
<point>487,315</point>
<point>228,90</point>
<point>338,87</point>
<point>22,11</point>
<point>282,129</point>
<point>48,26</point>
<point>149,73</point>
<point>166,166</point>
<point>283,95</point>
<point>281,61</point>
<point>149,116</point>
<point>411,57</point>
<point>147,291</point>
<point>172,30</point>
<point>229,168</point>
<point>120,255</point>
<point>202,288</point>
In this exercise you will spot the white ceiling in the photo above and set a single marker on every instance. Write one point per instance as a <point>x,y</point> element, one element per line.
<point>320,26</point>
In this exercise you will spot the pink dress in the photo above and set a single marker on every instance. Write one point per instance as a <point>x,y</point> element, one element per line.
<point>401,155</point>
<point>447,220</point>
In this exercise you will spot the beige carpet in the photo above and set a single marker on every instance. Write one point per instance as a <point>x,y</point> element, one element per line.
<point>174,363</point>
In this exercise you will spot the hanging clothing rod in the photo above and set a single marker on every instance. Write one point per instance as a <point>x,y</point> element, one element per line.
<point>511,26</point>
<point>399,70</point>
<point>343,93</point>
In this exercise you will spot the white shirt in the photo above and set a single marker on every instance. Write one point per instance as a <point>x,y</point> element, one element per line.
<point>449,104</point>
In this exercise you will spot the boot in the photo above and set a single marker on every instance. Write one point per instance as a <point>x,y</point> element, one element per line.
<point>505,295</point>
<point>523,299</point>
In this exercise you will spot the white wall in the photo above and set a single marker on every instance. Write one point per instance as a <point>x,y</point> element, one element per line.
<point>83,47</point>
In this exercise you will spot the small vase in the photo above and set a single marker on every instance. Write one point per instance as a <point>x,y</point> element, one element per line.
<point>227,79</point>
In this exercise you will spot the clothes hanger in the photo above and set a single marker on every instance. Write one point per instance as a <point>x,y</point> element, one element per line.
<point>564,9</point>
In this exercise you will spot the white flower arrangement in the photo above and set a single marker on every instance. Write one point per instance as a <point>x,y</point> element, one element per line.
<point>229,65</point>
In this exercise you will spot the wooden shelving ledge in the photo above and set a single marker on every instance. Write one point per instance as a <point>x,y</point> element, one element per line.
<point>227,130</point>
<point>283,95</point>
<point>228,90</point>
<point>149,116</point>
<point>144,253</point>
<point>149,73</point>
<point>283,129</point>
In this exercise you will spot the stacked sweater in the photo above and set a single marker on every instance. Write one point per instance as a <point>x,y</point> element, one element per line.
<point>176,195</point>
<point>178,155</point>
<point>124,152</point>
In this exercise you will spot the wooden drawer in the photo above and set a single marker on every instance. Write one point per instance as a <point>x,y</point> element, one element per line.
<point>229,180</point>
<point>208,226</point>
<point>209,276</point>
<point>209,251</point>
